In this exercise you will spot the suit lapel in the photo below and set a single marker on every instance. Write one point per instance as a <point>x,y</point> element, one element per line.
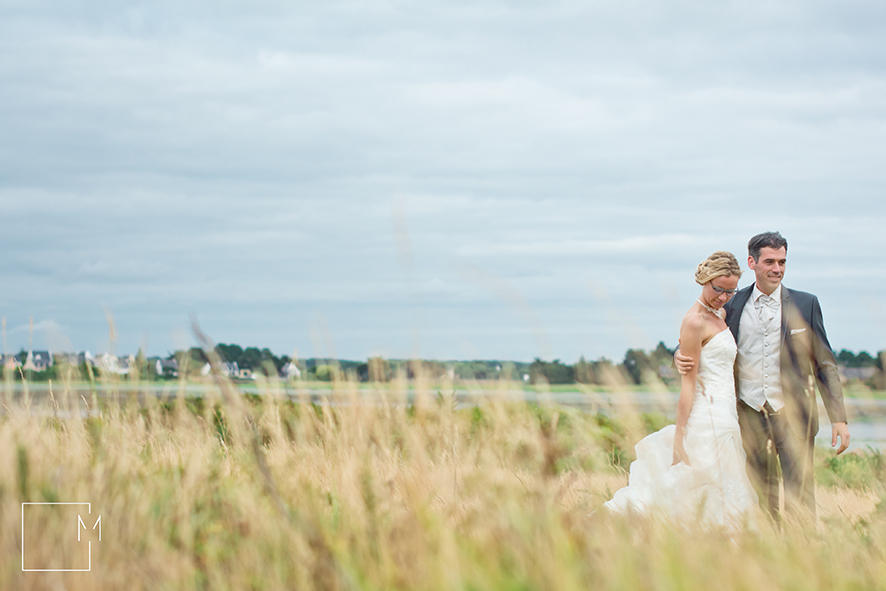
<point>785,312</point>
<point>733,320</point>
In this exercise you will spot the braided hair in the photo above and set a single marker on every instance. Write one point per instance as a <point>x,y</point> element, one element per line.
<point>719,264</point>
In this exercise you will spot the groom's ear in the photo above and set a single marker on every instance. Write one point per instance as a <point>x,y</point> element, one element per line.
<point>751,263</point>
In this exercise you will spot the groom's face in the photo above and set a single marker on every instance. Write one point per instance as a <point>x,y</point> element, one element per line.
<point>769,268</point>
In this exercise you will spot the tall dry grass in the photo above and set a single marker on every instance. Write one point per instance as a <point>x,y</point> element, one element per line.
<point>375,492</point>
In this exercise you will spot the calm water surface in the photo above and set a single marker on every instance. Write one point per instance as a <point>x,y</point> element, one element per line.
<point>867,417</point>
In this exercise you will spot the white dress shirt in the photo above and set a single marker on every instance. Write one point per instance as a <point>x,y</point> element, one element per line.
<point>759,351</point>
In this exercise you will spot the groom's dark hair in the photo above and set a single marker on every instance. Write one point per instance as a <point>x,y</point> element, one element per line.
<point>765,240</point>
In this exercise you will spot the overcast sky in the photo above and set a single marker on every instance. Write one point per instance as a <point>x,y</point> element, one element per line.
<point>444,179</point>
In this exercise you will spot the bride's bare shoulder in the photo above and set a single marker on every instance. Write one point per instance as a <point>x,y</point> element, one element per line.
<point>693,321</point>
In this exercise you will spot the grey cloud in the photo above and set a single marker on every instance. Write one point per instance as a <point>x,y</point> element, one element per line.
<point>240,161</point>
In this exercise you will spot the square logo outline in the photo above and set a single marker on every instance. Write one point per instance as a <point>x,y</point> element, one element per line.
<point>55,570</point>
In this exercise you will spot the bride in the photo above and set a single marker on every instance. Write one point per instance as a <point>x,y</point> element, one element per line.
<point>695,470</point>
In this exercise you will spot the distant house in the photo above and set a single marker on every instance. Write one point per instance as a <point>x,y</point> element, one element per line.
<point>69,358</point>
<point>245,374</point>
<point>126,362</point>
<point>109,363</point>
<point>166,367</point>
<point>227,369</point>
<point>290,371</point>
<point>42,360</point>
<point>36,360</point>
<point>666,372</point>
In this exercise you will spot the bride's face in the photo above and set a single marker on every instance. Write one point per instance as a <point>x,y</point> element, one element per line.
<point>720,290</point>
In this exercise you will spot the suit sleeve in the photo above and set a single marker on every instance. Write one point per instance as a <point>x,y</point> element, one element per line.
<point>826,372</point>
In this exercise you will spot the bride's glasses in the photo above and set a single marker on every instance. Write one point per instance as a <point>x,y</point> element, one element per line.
<point>721,291</point>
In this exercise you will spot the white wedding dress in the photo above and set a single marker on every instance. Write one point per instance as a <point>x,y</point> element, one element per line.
<point>714,488</point>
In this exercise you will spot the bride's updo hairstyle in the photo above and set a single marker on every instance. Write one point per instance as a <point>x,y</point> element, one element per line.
<point>719,264</point>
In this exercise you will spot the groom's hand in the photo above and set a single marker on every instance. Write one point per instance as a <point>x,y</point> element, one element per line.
<point>840,430</point>
<point>684,363</point>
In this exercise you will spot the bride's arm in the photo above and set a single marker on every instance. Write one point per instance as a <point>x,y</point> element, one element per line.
<point>690,339</point>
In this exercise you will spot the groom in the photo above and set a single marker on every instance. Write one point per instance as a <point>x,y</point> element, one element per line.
<point>783,352</point>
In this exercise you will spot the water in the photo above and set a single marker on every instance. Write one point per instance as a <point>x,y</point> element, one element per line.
<point>867,417</point>
<point>863,434</point>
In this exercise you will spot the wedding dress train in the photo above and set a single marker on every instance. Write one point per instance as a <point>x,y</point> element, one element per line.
<point>715,487</point>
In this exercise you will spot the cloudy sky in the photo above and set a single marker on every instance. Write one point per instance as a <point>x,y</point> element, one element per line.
<point>489,179</point>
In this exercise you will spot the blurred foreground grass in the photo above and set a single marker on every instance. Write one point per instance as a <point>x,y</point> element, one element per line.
<point>262,492</point>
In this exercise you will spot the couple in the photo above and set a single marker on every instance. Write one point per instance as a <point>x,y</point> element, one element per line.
<point>766,343</point>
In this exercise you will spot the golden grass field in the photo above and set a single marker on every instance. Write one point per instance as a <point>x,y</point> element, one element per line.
<point>235,492</point>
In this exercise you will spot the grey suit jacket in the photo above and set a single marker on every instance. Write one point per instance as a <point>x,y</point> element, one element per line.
<point>806,358</point>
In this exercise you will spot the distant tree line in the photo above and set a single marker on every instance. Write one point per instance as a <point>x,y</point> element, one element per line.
<point>637,367</point>
<point>863,359</point>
